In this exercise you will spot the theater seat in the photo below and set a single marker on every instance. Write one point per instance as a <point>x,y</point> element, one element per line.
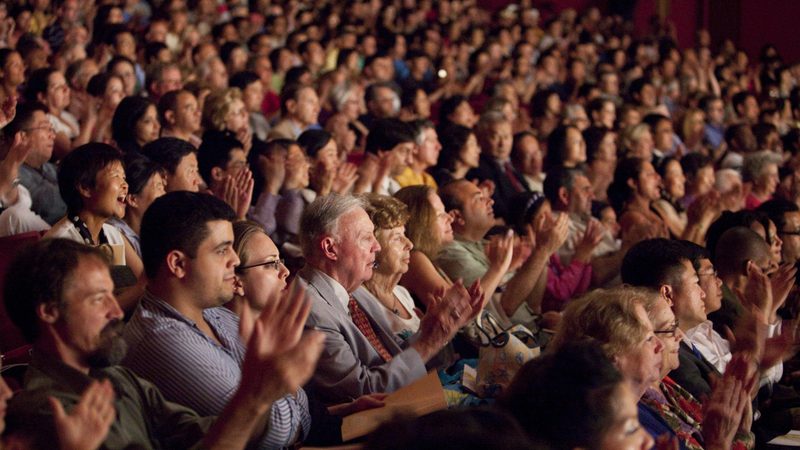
<point>10,336</point>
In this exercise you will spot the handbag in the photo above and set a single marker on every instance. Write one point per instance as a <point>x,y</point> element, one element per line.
<point>502,353</point>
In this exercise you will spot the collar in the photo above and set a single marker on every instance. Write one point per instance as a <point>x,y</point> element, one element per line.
<point>341,294</point>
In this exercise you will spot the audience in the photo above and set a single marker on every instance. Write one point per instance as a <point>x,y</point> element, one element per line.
<point>534,155</point>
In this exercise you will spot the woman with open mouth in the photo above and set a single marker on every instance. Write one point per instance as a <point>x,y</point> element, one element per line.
<point>92,183</point>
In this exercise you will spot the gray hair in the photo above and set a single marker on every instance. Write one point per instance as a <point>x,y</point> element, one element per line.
<point>340,94</point>
<point>755,163</point>
<point>321,218</point>
<point>727,180</point>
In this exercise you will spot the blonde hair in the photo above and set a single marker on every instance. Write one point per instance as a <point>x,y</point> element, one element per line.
<point>607,316</point>
<point>422,219</point>
<point>243,231</point>
<point>217,106</point>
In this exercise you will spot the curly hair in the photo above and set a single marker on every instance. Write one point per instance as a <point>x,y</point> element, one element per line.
<point>217,106</point>
<point>386,212</point>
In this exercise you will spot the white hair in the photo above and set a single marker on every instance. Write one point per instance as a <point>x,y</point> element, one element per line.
<point>321,218</point>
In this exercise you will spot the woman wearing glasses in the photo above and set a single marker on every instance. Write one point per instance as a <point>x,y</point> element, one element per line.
<point>261,273</point>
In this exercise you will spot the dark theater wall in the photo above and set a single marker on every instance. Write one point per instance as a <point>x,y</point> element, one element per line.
<point>750,23</point>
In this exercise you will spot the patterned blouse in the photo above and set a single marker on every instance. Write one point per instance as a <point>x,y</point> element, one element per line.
<point>684,413</point>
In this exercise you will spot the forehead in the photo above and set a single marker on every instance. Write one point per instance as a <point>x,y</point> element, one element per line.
<point>88,275</point>
<point>356,221</point>
<point>792,217</point>
<point>217,232</point>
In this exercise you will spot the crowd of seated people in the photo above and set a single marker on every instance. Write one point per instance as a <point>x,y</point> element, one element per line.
<point>251,220</point>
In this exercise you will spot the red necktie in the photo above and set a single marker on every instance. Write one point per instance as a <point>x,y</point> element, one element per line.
<point>513,178</point>
<point>361,321</point>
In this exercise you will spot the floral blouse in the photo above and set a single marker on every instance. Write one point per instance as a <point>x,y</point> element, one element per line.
<point>684,413</point>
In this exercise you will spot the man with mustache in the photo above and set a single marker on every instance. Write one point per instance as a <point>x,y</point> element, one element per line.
<point>60,294</point>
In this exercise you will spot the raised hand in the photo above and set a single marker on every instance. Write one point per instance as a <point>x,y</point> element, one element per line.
<point>757,293</point>
<point>728,401</point>
<point>447,314</point>
<point>590,240</point>
<point>8,109</point>
<point>280,358</point>
<point>87,424</point>
<point>367,172</point>
<point>273,168</point>
<point>782,282</point>
<point>500,251</point>
<point>346,176</point>
<point>553,234</point>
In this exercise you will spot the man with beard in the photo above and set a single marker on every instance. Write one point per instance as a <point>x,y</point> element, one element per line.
<point>60,294</point>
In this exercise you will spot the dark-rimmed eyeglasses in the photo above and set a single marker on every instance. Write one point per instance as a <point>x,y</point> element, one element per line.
<point>274,264</point>
<point>669,332</point>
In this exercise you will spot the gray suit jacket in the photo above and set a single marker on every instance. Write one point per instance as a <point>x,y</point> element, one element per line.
<point>349,366</point>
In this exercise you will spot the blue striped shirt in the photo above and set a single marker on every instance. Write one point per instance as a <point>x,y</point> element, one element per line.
<point>194,370</point>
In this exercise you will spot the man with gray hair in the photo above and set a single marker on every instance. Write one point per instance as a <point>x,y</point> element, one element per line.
<point>360,356</point>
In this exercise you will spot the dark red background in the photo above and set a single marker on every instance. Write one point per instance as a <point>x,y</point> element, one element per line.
<point>749,23</point>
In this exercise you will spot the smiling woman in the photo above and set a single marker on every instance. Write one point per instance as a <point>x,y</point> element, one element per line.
<point>93,185</point>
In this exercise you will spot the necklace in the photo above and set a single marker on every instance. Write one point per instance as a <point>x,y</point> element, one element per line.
<point>394,308</point>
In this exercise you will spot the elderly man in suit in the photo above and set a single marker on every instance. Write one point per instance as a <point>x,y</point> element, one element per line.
<point>360,356</point>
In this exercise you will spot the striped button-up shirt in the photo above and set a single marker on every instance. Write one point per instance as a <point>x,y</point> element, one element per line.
<point>194,370</point>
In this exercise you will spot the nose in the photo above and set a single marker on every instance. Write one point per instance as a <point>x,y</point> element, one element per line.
<point>408,244</point>
<point>659,345</point>
<point>679,336</point>
<point>114,311</point>
<point>647,440</point>
<point>283,273</point>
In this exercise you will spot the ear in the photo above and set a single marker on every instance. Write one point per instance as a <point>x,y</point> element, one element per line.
<point>668,294</point>
<point>132,200</point>
<point>217,173</point>
<point>176,263</point>
<point>291,105</point>
<point>169,115</point>
<point>457,217</point>
<point>632,184</point>
<point>328,247</point>
<point>42,98</point>
<point>563,195</point>
<point>48,312</point>
<point>84,191</point>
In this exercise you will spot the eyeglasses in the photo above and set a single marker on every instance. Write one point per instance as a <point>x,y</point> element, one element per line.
<point>712,273</point>
<point>274,264</point>
<point>669,332</point>
<point>790,233</point>
<point>48,127</point>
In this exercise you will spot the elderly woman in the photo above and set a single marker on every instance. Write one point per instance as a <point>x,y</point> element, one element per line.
<point>225,111</point>
<point>347,100</point>
<point>760,169</point>
<point>617,319</point>
<point>389,217</point>
<point>135,123</point>
<point>637,141</point>
<point>680,409</point>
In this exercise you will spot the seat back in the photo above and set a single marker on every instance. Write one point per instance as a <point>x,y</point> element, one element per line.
<point>10,336</point>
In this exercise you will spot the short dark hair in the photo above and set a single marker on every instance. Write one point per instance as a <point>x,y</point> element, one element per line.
<point>168,102</point>
<point>80,168</point>
<point>776,210</point>
<point>243,79</point>
<point>653,262</point>
<point>313,140</point>
<point>178,221</point>
<point>694,253</point>
<point>37,275</point>
<point>22,118</point>
<point>386,134</point>
<point>215,151</point>
<point>37,83</point>
<point>168,152</point>
<point>693,162</point>
<point>556,179</point>
<point>139,169</point>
